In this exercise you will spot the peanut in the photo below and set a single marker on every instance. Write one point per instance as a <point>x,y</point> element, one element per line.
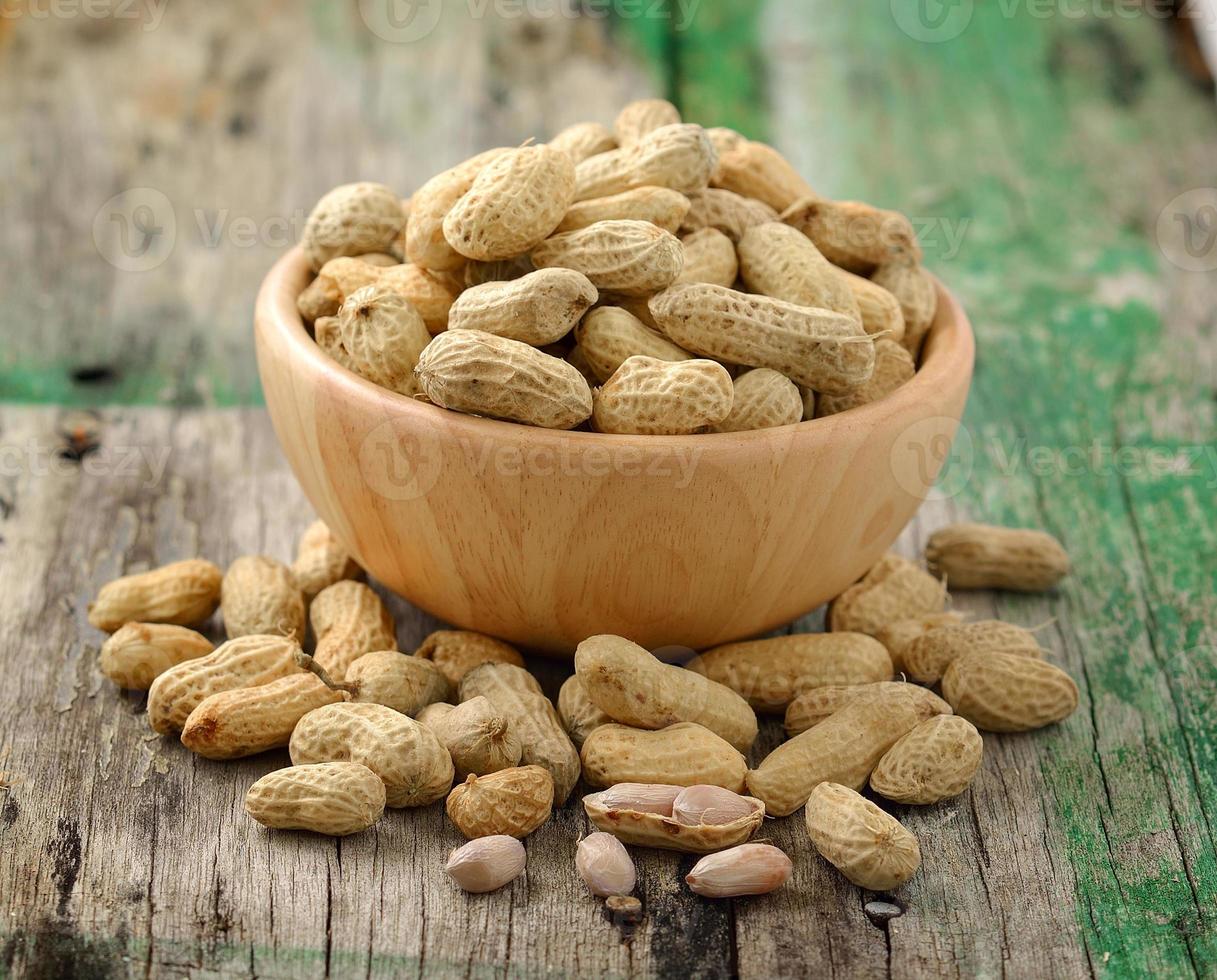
<point>639,797</point>
<point>426,291</point>
<point>635,258</point>
<point>426,244</point>
<point>487,864</point>
<point>514,204</point>
<point>659,205</point>
<point>259,595</point>
<point>184,593</point>
<point>489,677</point>
<point>396,680</point>
<point>843,748</point>
<point>812,707</point>
<point>678,157</point>
<point>898,635</point>
<point>334,798</point>
<point>642,815</point>
<point>456,652</point>
<point>917,295</point>
<point>1006,692</point>
<point>928,656</point>
<point>855,236</point>
<point>771,673</point>
<point>140,652</point>
<point>724,139</point>
<point>382,336</point>
<point>726,212</point>
<point>643,116</point>
<point>349,620</point>
<point>336,281</point>
<point>627,683</point>
<point>538,309</point>
<point>247,661</point>
<point>649,396</point>
<point>512,802</point>
<point>321,560</point>
<point>893,590</point>
<point>479,739</point>
<point>577,359</point>
<point>584,140</point>
<point>893,367</point>
<point>980,556</point>
<point>605,866</point>
<point>507,270</point>
<point>481,374</point>
<point>935,761</point>
<point>879,309</point>
<point>698,805</point>
<point>757,170</point>
<point>246,721</point>
<point>352,220</point>
<point>579,715</point>
<point>684,754</point>
<point>763,399</point>
<point>749,869</point>
<point>871,848</point>
<point>609,335</point>
<point>409,757</point>
<point>818,348</point>
<point>779,261</point>
<point>709,257</point>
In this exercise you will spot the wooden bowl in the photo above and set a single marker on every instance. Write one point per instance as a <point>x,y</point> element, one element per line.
<point>544,538</point>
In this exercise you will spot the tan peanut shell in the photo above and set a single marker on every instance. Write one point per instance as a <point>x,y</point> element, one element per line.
<point>349,620</point>
<point>329,339</point>
<point>813,706</point>
<point>408,756</point>
<point>843,748</point>
<point>649,396</point>
<point>487,864</point>
<point>758,171</point>
<point>893,367</point>
<point>857,237</point>
<point>927,657</point>
<point>334,798</point>
<point>879,309</point>
<point>1006,692</point>
<point>456,652</point>
<point>684,754</point>
<point>489,677</point>
<point>579,715</point>
<point>514,802</point>
<point>917,295</point>
<point>893,590</point>
<point>577,359</point>
<point>779,261</point>
<point>382,336</point>
<point>608,335</point>
<point>631,686</point>
<point>635,258</point>
<point>641,828</point>
<point>426,291</point>
<point>259,595</point>
<point>426,244</point>
<point>679,157</point>
<point>771,673</point>
<point>538,309</point>
<point>245,721</point>
<point>479,739</point>
<point>661,206</point>
<point>247,661</point>
<point>514,203</point>
<point>935,761</point>
<point>709,257</point>
<point>140,652</point>
<point>981,556</point>
<point>871,848</point>
<point>727,212</point>
<point>763,399</point>
<point>352,220</point>
<point>184,593</point>
<point>725,139</point>
<point>746,869</point>
<point>898,635</point>
<point>481,374</point>
<point>824,350</point>
<point>336,281</point>
<point>396,680</point>
<point>643,116</point>
<point>583,140</point>
<point>321,560</point>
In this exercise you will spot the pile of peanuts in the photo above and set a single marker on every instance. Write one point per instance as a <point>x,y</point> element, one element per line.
<point>656,278</point>
<point>369,727</point>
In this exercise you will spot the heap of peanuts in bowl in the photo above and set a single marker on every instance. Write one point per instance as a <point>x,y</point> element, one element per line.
<point>546,285</point>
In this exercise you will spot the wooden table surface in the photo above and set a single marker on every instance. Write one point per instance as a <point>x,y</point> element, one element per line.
<point>154,161</point>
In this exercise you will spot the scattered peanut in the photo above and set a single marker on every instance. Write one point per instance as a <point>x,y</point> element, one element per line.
<point>1007,692</point>
<point>605,866</point>
<point>259,595</point>
<point>349,620</point>
<point>321,560</point>
<point>893,590</point>
<point>749,869</point>
<point>185,593</point>
<point>479,739</point>
<point>580,716</point>
<point>140,652</point>
<point>981,556</point>
<point>334,798</point>
<point>396,680</point>
<point>898,635</point>
<point>935,761</point>
<point>514,802</point>
<point>684,754</point>
<point>456,652</point>
<point>927,657</point>
<point>487,864</point>
<point>812,707</point>
<point>642,815</point>
<point>871,848</point>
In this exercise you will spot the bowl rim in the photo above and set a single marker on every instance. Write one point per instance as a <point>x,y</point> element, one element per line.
<point>947,355</point>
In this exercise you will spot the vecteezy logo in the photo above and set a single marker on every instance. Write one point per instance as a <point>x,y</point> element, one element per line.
<point>925,451</point>
<point>401,21</point>
<point>1187,230</point>
<point>399,463</point>
<point>933,21</point>
<point>136,230</point>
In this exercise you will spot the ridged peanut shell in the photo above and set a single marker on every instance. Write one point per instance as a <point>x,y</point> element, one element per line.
<point>879,309</point>
<point>383,336</point>
<point>353,219</point>
<point>1005,692</point>
<point>490,677</point>
<point>683,754</point>
<point>927,657</point>
<point>898,635</point>
<point>336,281</point>
<point>579,714</point>
<point>642,116</point>
<point>763,399</point>
<point>757,170</point>
<point>138,653</point>
<point>856,236</point>
<point>631,686</point>
<point>479,739</point>
<point>321,560</point>
<point>727,212</point>
<point>813,706</point>
<point>396,680</point>
<point>608,335</point>
<point>426,291</point>
<point>680,157</point>
<point>478,373</point>
<point>773,672</point>
<point>710,256</point>
<point>513,802</point>
<point>259,595</point>
<point>893,367</point>
<point>635,258</point>
<point>661,206</point>
<point>538,309</point>
<point>935,761</point>
<point>893,590</point>
<point>917,295</point>
<point>649,396</point>
<point>335,798</point>
<point>184,593</point>
<point>349,620</point>
<point>426,244</point>
<point>779,261</point>
<point>642,828</point>
<point>870,847</point>
<point>583,140</point>
<point>456,652</point>
<point>982,556</point>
